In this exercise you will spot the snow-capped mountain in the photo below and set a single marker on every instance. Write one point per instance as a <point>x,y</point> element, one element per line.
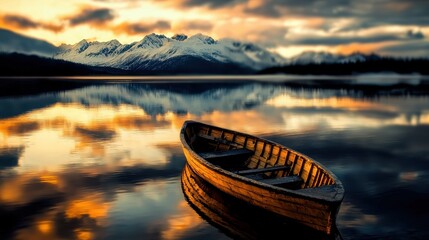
<point>160,53</point>
<point>310,57</point>
<point>13,42</point>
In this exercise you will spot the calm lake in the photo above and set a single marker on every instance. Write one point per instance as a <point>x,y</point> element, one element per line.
<point>90,159</point>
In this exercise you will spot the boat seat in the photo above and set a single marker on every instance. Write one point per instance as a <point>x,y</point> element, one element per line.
<point>220,140</point>
<point>287,181</point>
<point>233,153</point>
<point>262,170</point>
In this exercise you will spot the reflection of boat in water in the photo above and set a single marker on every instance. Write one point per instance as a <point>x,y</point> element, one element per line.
<point>265,174</point>
<point>239,219</point>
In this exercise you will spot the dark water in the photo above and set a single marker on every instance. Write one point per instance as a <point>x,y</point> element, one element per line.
<point>104,161</point>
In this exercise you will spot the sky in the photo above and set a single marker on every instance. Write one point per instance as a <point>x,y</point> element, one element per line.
<point>288,27</point>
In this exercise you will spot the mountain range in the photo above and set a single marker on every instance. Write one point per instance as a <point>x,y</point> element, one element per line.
<point>153,54</point>
<point>180,54</point>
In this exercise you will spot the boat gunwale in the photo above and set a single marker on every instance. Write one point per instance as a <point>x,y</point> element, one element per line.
<point>339,188</point>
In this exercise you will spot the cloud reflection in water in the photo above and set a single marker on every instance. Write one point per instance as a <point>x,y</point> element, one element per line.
<point>104,160</point>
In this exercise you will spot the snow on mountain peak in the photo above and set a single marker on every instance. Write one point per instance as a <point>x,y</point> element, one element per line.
<point>154,50</point>
<point>81,46</point>
<point>114,42</point>
<point>153,40</point>
<point>202,38</point>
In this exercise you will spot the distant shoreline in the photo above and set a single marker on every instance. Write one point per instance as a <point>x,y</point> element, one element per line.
<point>371,83</point>
<point>374,66</point>
<point>279,77</point>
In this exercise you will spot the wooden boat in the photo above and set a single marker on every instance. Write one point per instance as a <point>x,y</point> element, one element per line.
<point>264,173</point>
<point>238,219</point>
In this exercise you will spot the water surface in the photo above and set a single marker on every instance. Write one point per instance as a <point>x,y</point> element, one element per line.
<point>104,161</point>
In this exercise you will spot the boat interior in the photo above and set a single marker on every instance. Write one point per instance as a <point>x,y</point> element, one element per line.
<point>257,159</point>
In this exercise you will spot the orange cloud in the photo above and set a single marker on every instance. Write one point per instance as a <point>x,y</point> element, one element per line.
<point>197,25</point>
<point>253,31</point>
<point>18,22</point>
<point>315,22</point>
<point>212,4</point>
<point>139,28</point>
<point>359,47</point>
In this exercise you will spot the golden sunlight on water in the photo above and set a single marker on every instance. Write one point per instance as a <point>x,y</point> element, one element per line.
<point>73,134</point>
<point>62,134</point>
<point>95,141</point>
<point>185,220</point>
<point>289,101</point>
<point>91,206</point>
<point>342,112</point>
<point>44,226</point>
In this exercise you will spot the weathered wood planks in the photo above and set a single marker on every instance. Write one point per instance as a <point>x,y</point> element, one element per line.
<point>277,166</point>
<point>241,152</point>
<point>283,181</point>
<point>262,170</point>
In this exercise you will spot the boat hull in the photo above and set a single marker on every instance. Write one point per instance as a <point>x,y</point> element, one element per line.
<point>313,210</point>
<point>313,213</point>
<point>237,218</point>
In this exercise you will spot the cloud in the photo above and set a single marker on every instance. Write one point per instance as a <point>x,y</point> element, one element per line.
<point>415,35</point>
<point>95,17</point>
<point>115,0</point>
<point>198,25</point>
<point>376,21</point>
<point>21,22</point>
<point>203,3</point>
<point>266,34</point>
<point>389,11</point>
<point>340,40</point>
<point>313,8</point>
<point>368,11</point>
<point>332,41</point>
<point>410,48</point>
<point>139,28</point>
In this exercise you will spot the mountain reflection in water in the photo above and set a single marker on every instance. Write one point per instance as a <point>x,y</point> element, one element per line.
<point>103,161</point>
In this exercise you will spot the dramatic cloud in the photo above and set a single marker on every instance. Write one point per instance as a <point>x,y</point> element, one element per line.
<point>272,36</point>
<point>375,21</point>
<point>95,17</point>
<point>21,22</point>
<point>139,28</point>
<point>415,35</point>
<point>420,48</point>
<point>288,27</point>
<point>310,8</point>
<point>204,3</point>
<point>198,25</point>
<point>334,40</point>
<point>389,11</point>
